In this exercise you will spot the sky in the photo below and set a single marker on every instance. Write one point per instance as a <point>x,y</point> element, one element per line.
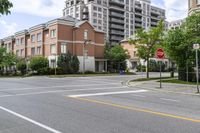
<point>27,13</point>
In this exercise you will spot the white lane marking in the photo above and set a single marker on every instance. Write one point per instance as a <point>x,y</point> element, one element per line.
<point>58,91</point>
<point>21,89</point>
<point>106,93</point>
<point>30,120</point>
<point>172,100</point>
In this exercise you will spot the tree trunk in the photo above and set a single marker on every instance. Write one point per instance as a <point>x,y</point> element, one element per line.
<point>148,67</point>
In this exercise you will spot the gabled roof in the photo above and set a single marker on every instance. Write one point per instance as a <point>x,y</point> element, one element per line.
<point>77,25</point>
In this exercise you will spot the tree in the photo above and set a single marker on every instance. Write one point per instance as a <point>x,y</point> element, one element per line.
<point>6,59</point>
<point>117,56</point>
<point>178,44</point>
<point>146,42</point>
<point>5,6</point>
<point>9,59</point>
<point>68,63</point>
<point>75,64</point>
<point>21,66</point>
<point>39,62</point>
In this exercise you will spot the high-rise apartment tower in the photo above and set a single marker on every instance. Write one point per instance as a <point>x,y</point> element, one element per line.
<point>119,19</point>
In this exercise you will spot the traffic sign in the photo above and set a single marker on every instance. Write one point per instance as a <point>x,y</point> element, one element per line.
<point>195,46</point>
<point>160,53</point>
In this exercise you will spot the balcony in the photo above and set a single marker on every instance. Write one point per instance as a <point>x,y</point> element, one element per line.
<point>116,38</point>
<point>138,20</point>
<point>117,2</point>
<point>115,26</point>
<point>115,7</point>
<point>114,20</point>
<point>117,32</point>
<point>118,15</point>
<point>138,25</point>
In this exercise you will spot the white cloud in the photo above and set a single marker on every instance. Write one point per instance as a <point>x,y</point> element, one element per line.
<point>175,9</point>
<point>8,28</point>
<point>45,8</point>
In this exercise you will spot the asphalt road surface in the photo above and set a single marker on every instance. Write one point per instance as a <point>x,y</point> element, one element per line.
<point>93,105</point>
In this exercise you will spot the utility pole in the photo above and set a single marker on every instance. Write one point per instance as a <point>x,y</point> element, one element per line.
<point>196,47</point>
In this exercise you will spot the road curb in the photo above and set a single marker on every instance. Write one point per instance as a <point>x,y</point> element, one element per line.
<point>160,90</point>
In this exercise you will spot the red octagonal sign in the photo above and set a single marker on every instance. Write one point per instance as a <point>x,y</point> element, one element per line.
<point>160,53</point>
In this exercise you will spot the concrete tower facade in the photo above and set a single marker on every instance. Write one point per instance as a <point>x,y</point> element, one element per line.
<point>194,5</point>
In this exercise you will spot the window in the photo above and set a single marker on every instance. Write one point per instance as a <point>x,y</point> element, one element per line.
<point>53,49</point>
<point>53,33</point>
<point>39,37</point>
<point>38,50</point>
<point>17,42</point>
<point>21,52</point>
<point>63,48</point>
<point>32,38</point>
<point>86,35</point>
<point>95,8</point>
<point>95,21</point>
<point>32,51</point>
<point>17,52</point>
<point>22,40</point>
<point>99,9</point>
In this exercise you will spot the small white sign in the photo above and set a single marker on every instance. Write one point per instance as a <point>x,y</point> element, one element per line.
<point>195,46</point>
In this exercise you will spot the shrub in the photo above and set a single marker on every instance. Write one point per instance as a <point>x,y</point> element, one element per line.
<point>141,68</point>
<point>21,66</point>
<point>75,64</point>
<point>37,63</point>
<point>68,63</point>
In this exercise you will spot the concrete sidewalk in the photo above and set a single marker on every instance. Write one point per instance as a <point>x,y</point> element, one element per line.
<point>167,87</point>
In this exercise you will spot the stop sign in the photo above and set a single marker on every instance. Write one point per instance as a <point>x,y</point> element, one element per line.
<point>160,53</point>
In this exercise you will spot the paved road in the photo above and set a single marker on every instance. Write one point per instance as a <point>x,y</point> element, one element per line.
<point>93,105</point>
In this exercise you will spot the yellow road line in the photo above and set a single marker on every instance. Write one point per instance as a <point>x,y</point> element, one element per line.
<point>138,109</point>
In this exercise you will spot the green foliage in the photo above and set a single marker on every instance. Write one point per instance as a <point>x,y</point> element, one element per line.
<point>49,71</point>
<point>68,63</point>
<point>7,59</point>
<point>154,66</point>
<point>178,44</point>
<point>5,6</point>
<point>117,57</point>
<point>75,64</point>
<point>38,62</point>
<point>147,41</point>
<point>21,66</point>
<point>141,68</point>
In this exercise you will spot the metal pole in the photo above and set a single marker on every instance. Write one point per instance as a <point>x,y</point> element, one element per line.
<point>84,57</point>
<point>160,75</point>
<point>187,67</point>
<point>26,66</point>
<point>197,71</point>
<point>55,65</point>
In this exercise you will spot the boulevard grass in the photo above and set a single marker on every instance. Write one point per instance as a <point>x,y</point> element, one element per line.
<point>176,81</point>
<point>89,75</point>
<point>149,79</point>
<point>165,80</point>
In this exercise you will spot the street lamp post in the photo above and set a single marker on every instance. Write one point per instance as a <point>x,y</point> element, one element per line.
<point>26,65</point>
<point>86,41</point>
<point>196,47</point>
<point>55,66</point>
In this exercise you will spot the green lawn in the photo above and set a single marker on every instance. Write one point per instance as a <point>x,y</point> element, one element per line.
<point>176,81</point>
<point>149,79</point>
<point>84,75</point>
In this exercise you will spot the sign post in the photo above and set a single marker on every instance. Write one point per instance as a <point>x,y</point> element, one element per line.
<point>160,55</point>
<point>196,47</point>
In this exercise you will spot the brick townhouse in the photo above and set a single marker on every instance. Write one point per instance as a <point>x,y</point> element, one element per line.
<point>60,36</point>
